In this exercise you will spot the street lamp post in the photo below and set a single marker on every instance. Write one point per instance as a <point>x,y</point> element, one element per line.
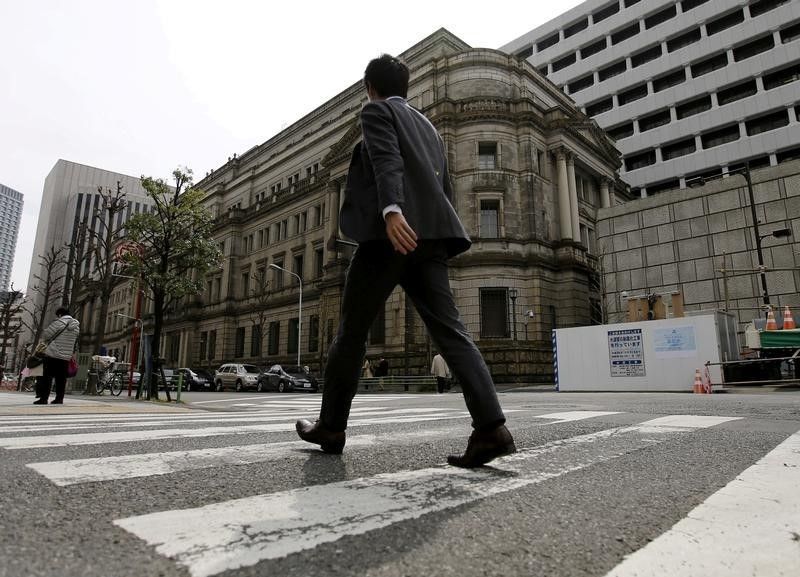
<point>299,308</point>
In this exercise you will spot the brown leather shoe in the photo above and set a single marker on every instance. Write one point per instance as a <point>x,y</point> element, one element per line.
<point>483,446</point>
<point>330,441</point>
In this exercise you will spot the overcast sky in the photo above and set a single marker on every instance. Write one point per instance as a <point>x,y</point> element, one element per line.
<point>142,86</point>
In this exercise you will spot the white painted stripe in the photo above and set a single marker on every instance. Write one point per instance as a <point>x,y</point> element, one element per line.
<point>77,471</point>
<point>236,418</point>
<point>749,527</point>
<point>372,397</point>
<point>239,533</point>
<point>42,441</point>
<point>574,416</point>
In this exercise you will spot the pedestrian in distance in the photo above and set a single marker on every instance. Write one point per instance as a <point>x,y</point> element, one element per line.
<point>383,368</point>
<point>397,207</point>
<point>366,369</point>
<point>61,337</point>
<point>441,371</point>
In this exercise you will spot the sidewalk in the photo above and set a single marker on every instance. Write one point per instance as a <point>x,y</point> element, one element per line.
<point>15,403</point>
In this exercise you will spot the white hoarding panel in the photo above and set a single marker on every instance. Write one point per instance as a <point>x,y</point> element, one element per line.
<point>659,355</point>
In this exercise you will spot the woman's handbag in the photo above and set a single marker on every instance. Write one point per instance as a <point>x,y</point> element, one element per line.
<point>72,367</point>
<point>37,356</point>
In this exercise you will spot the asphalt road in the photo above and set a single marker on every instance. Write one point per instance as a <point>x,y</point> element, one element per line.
<point>603,484</point>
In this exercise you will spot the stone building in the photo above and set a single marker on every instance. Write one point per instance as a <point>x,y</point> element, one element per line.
<point>529,171</point>
<point>701,242</point>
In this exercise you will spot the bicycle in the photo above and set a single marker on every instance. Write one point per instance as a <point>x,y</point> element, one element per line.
<point>108,377</point>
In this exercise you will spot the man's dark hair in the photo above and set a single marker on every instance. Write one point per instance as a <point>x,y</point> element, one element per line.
<point>61,311</point>
<point>387,76</point>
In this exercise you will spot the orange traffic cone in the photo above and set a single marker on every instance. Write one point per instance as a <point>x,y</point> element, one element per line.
<point>771,324</point>
<point>788,319</point>
<point>698,387</point>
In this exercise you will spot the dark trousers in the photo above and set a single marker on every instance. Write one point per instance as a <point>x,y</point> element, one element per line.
<point>376,269</point>
<point>441,384</point>
<point>53,369</point>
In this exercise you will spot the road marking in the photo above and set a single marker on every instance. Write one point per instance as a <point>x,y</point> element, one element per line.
<point>574,416</point>
<point>373,397</point>
<point>44,441</point>
<point>78,471</point>
<point>227,418</point>
<point>240,533</point>
<point>749,527</point>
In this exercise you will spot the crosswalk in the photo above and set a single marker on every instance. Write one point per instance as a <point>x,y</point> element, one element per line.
<point>225,535</point>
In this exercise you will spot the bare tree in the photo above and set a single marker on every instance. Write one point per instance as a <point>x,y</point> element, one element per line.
<point>11,306</point>
<point>49,286</point>
<point>260,294</point>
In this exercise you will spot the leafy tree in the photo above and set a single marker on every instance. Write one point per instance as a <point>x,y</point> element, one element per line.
<point>11,306</point>
<point>175,247</point>
<point>260,294</point>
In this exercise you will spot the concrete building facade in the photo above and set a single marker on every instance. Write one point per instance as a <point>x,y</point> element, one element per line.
<point>10,216</point>
<point>701,242</point>
<point>529,172</point>
<point>686,88</point>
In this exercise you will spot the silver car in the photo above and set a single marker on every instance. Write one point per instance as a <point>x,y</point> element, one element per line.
<point>237,376</point>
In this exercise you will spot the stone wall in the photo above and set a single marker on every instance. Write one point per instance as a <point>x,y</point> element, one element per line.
<point>681,240</point>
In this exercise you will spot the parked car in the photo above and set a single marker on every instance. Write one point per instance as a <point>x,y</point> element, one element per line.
<point>287,378</point>
<point>235,375</point>
<point>196,379</point>
<point>169,375</point>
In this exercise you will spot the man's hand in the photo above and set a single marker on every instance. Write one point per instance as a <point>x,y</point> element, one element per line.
<point>401,235</point>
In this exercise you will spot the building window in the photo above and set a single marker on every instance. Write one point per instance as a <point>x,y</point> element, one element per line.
<point>709,65</point>
<point>582,83</point>
<point>613,70</point>
<point>790,34</point>
<point>238,348</point>
<point>660,17</point>
<point>721,136</point>
<point>687,5</point>
<point>759,8</point>
<point>788,154</point>
<point>319,263</point>
<point>753,163</point>
<point>669,80</point>
<point>313,334</point>
<point>767,122</point>
<point>562,63</point>
<point>593,48</point>
<point>291,345</point>
<point>245,284</point>
<point>377,332</point>
<point>632,94</point>
<point>494,313</point>
<point>753,48</point>
<point>203,345</point>
<point>640,160</point>
<point>298,267</point>
<point>693,107</point>
<point>273,337</point>
<point>725,22</point>
<point>683,40</point>
<point>676,149</point>
<point>606,12</point>
<point>625,33</point>
<point>277,278</point>
<point>525,53</point>
<point>546,43</point>
<point>737,92</point>
<point>296,223</point>
<point>599,107</point>
<point>662,186</point>
<point>646,56</point>
<point>490,218</point>
<point>781,77</point>
<point>212,345</point>
<point>255,341</point>
<point>573,29</point>
<point>487,155</point>
<point>654,120</point>
<point>621,131</point>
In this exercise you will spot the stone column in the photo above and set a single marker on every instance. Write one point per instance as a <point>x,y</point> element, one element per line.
<point>573,198</point>
<point>565,220</point>
<point>605,196</point>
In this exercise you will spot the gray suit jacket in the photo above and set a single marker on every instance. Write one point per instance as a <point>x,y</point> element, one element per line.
<point>401,160</point>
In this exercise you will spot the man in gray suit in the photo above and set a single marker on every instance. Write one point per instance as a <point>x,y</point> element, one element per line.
<point>398,208</point>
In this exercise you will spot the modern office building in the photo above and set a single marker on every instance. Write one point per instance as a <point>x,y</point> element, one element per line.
<point>10,216</point>
<point>529,172</point>
<point>686,88</point>
<point>71,203</point>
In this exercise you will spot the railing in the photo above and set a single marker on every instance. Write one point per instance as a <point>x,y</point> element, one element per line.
<point>398,382</point>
